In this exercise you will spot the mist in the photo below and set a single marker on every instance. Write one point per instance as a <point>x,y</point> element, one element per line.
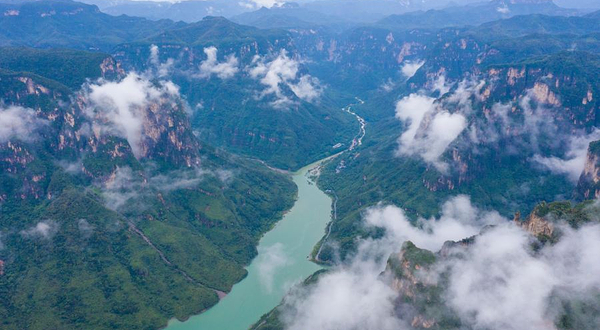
<point>498,282</point>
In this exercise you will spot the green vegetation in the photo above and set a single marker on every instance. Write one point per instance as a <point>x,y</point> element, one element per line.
<point>230,113</point>
<point>67,24</point>
<point>374,175</point>
<point>272,320</point>
<point>474,14</point>
<point>575,215</point>
<point>70,67</point>
<point>71,259</point>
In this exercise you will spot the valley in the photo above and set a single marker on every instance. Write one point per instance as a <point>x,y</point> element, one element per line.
<point>281,262</point>
<point>283,258</point>
<point>330,164</point>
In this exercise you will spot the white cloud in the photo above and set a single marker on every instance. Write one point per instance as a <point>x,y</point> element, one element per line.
<point>411,110</point>
<point>524,126</point>
<point>43,229</point>
<point>162,69</point>
<point>388,86</point>
<point>459,219</point>
<point>307,88</point>
<point>501,283</point>
<point>575,259</point>
<point>347,298</point>
<point>121,187</point>
<point>430,129</point>
<point>574,161</point>
<point>410,68</point>
<point>270,260</point>
<point>126,185</point>
<point>498,282</point>
<point>354,295</point>
<point>179,179</point>
<point>441,86</point>
<point>444,128</point>
<point>226,176</point>
<point>75,167</point>
<point>284,71</point>
<point>223,70</point>
<point>18,122</point>
<point>85,228</point>
<point>256,4</point>
<point>118,107</point>
<point>503,10</point>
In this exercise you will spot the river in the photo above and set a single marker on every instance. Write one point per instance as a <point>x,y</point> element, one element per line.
<point>281,262</point>
<point>283,255</point>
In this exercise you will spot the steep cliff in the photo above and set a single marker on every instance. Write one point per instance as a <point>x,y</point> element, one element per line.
<point>588,186</point>
<point>422,279</point>
<point>249,89</point>
<point>113,213</point>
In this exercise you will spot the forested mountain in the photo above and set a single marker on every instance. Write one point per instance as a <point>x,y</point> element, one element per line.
<point>142,161</point>
<point>488,71</point>
<point>68,24</point>
<point>103,215</point>
<point>226,71</point>
<point>431,303</point>
<point>503,113</point>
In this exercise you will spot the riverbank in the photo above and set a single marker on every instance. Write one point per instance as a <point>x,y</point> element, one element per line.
<point>282,261</point>
<point>287,253</point>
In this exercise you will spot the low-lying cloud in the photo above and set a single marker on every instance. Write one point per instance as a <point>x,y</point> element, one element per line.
<point>257,4</point>
<point>430,129</point>
<point>211,66</point>
<point>161,69</point>
<point>119,107</point>
<point>284,72</point>
<point>354,295</point>
<point>461,117</point>
<point>498,282</point>
<point>126,185</point>
<point>85,228</point>
<point>573,162</point>
<point>410,68</point>
<point>122,186</point>
<point>18,123</point>
<point>502,283</point>
<point>270,260</point>
<point>42,230</point>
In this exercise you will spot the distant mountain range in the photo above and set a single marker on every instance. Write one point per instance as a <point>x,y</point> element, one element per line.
<point>349,11</point>
<point>133,185</point>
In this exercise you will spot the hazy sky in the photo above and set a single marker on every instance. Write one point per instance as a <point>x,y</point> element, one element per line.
<point>270,3</point>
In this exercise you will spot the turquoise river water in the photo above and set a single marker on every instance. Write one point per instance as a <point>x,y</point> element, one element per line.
<point>282,261</point>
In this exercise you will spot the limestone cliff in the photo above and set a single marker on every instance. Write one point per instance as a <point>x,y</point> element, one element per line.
<point>588,186</point>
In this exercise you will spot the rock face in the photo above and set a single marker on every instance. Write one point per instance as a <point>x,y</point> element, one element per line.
<point>421,295</point>
<point>535,225</point>
<point>81,205</point>
<point>64,130</point>
<point>283,126</point>
<point>419,299</point>
<point>555,91</point>
<point>588,186</point>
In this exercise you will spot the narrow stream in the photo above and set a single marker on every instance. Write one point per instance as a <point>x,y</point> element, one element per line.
<point>282,261</point>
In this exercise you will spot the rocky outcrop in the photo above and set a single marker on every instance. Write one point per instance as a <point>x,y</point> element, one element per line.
<point>588,186</point>
<point>535,225</point>
<point>66,135</point>
<point>419,298</point>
